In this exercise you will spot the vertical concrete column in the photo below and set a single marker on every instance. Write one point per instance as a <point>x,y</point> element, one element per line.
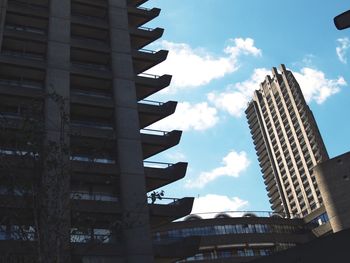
<point>55,189</point>
<point>333,179</point>
<point>3,7</point>
<point>135,215</point>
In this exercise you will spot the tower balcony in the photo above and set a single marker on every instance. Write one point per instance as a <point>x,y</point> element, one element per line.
<point>154,142</point>
<point>161,214</point>
<point>161,174</point>
<point>139,16</point>
<point>89,44</point>
<point>143,36</point>
<point>147,84</point>
<point>145,59</point>
<point>21,60</point>
<point>152,111</point>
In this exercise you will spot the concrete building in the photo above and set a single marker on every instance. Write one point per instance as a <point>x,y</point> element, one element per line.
<point>333,179</point>
<point>238,239</point>
<point>288,144</point>
<point>73,142</point>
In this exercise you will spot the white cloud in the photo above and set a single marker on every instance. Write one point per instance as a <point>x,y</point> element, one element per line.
<point>175,157</point>
<point>195,67</point>
<point>315,85</point>
<point>234,100</point>
<point>188,116</point>
<point>217,203</point>
<point>344,45</point>
<point>233,164</point>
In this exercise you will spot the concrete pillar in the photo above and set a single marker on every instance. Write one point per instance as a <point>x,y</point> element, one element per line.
<point>333,179</point>
<point>135,215</point>
<point>3,7</point>
<point>55,189</point>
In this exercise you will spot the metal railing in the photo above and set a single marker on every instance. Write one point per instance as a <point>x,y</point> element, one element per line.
<point>151,164</point>
<point>153,132</point>
<point>152,102</point>
<point>147,75</point>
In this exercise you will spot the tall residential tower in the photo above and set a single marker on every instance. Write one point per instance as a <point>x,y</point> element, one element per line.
<point>287,142</point>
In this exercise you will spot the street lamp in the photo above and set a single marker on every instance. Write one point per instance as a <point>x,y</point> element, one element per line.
<point>342,21</point>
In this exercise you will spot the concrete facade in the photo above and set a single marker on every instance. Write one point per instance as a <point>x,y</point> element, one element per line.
<point>288,144</point>
<point>333,179</point>
<point>73,134</point>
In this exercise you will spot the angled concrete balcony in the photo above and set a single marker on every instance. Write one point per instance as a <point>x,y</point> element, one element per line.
<point>147,84</point>
<point>143,36</point>
<point>89,21</point>
<point>90,99</point>
<point>161,214</point>
<point>27,9</point>
<point>89,31</point>
<point>89,44</point>
<point>139,16</point>
<point>161,174</point>
<point>152,111</point>
<point>154,142</point>
<point>146,59</point>
<point>136,3</point>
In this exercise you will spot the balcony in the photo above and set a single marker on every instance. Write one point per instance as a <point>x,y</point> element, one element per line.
<point>140,16</point>
<point>80,42</point>
<point>145,59</point>
<point>161,174</point>
<point>151,111</point>
<point>154,142</point>
<point>147,84</point>
<point>165,213</point>
<point>25,33</point>
<point>27,9</point>
<point>23,88</point>
<point>22,59</point>
<point>142,36</point>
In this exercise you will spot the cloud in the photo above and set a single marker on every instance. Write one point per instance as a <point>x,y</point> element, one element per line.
<point>211,203</point>
<point>344,45</point>
<point>233,164</point>
<point>234,100</point>
<point>189,116</point>
<point>196,67</point>
<point>315,86</point>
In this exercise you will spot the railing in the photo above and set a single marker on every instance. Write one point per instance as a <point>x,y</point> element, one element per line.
<point>29,4</point>
<point>92,125</point>
<point>147,75</point>
<point>152,102</point>
<point>224,214</point>
<point>90,93</point>
<point>26,29</point>
<point>91,160</point>
<point>156,199</point>
<point>21,83</point>
<point>96,196</point>
<point>153,132</point>
<point>31,56</point>
<point>147,51</point>
<point>151,164</point>
<point>100,67</point>
<point>146,28</point>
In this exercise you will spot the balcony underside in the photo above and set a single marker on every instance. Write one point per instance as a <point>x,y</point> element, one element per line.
<point>140,16</point>
<point>140,38</point>
<point>159,177</point>
<point>146,86</point>
<point>149,114</point>
<point>143,61</point>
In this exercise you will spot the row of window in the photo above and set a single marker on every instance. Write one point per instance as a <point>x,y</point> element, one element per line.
<point>227,230</point>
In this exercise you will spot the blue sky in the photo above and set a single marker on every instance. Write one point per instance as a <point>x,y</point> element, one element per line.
<point>219,52</point>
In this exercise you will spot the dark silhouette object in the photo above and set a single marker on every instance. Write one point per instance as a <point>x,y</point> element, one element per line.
<point>342,21</point>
